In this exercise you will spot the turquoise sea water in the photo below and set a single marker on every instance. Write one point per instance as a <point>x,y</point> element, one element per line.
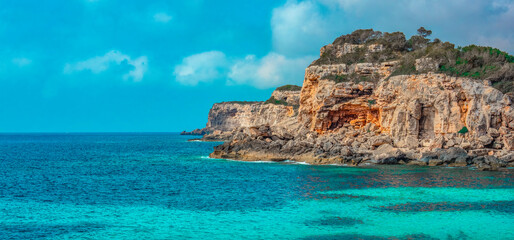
<point>159,186</point>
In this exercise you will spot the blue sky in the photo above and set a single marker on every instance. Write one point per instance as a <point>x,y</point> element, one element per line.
<point>126,65</point>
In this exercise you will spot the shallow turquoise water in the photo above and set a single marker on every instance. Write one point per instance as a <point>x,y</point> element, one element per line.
<point>159,186</point>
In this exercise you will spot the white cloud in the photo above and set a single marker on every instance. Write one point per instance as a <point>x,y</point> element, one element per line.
<point>140,66</point>
<point>202,67</point>
<point>21,62</point>
<point>298,27</point>
<point>272,70</point>
<point>342,3</point>
<point>101,63</point>
<point>162,17</point>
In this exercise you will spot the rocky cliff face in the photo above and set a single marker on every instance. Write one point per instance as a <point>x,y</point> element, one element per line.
<point>228,116</point>
<point>420,108</point>
<point>409,108</point>
<point>359,114</point>
<point>326,104</point>
<point>291,98</point>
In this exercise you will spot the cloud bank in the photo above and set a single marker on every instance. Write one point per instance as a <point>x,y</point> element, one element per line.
<point>162,17</point>
<point>298,27</point>
<point>269,71</point>
<point>100,64</point>
<point>202,67</point>
<point>21,62</point>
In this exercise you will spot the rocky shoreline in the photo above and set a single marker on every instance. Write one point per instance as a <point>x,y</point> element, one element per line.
<point>264,144</point>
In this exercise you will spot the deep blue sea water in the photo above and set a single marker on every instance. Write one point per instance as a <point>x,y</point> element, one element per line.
<point>159,186</point>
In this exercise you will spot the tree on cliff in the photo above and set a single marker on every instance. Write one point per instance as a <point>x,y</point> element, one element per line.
<point>420,41</point>
<point>424,32</point>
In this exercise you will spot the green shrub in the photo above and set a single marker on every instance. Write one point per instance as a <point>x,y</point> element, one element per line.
<point>356,78</point>
<point>406,66</point>
<point>360,36</point>
<point>505,86</point>
<point>242,102</point>
<point>371,102</point>
<point>481,63</point>
<point>289,88</point>
<point>272,100</point>
<point>417,42</point>
<point>337,78</point>
<point>391,41</point>
<point>464,130</point>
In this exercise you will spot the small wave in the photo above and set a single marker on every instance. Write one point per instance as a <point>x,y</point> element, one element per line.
<point>232,160</point>
<point>295,162</point>
<point>303,163</point>
<point>207,157</point>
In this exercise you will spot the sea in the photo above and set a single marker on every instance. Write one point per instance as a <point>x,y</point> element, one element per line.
<point>162,186</point>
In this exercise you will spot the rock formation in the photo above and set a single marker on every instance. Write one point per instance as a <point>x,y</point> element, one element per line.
<point>225,117</point>
<point>198,132</point>
<point>362,113</point>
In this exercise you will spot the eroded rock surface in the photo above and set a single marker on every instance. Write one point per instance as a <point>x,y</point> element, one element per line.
<point>226,117</point>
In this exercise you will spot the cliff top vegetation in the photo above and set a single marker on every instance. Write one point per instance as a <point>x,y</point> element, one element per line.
<point>289,88</point>
<point>476,62</point>
<point>242,102</point>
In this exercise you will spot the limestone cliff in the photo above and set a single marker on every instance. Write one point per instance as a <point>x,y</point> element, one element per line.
<point>226,117</point>
<point>393,109</point>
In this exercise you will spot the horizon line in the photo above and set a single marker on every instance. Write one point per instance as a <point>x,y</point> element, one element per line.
<point>82,132</point>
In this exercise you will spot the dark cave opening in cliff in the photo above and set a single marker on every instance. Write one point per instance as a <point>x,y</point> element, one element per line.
<point>426,123</point>
<point>355,115</point>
